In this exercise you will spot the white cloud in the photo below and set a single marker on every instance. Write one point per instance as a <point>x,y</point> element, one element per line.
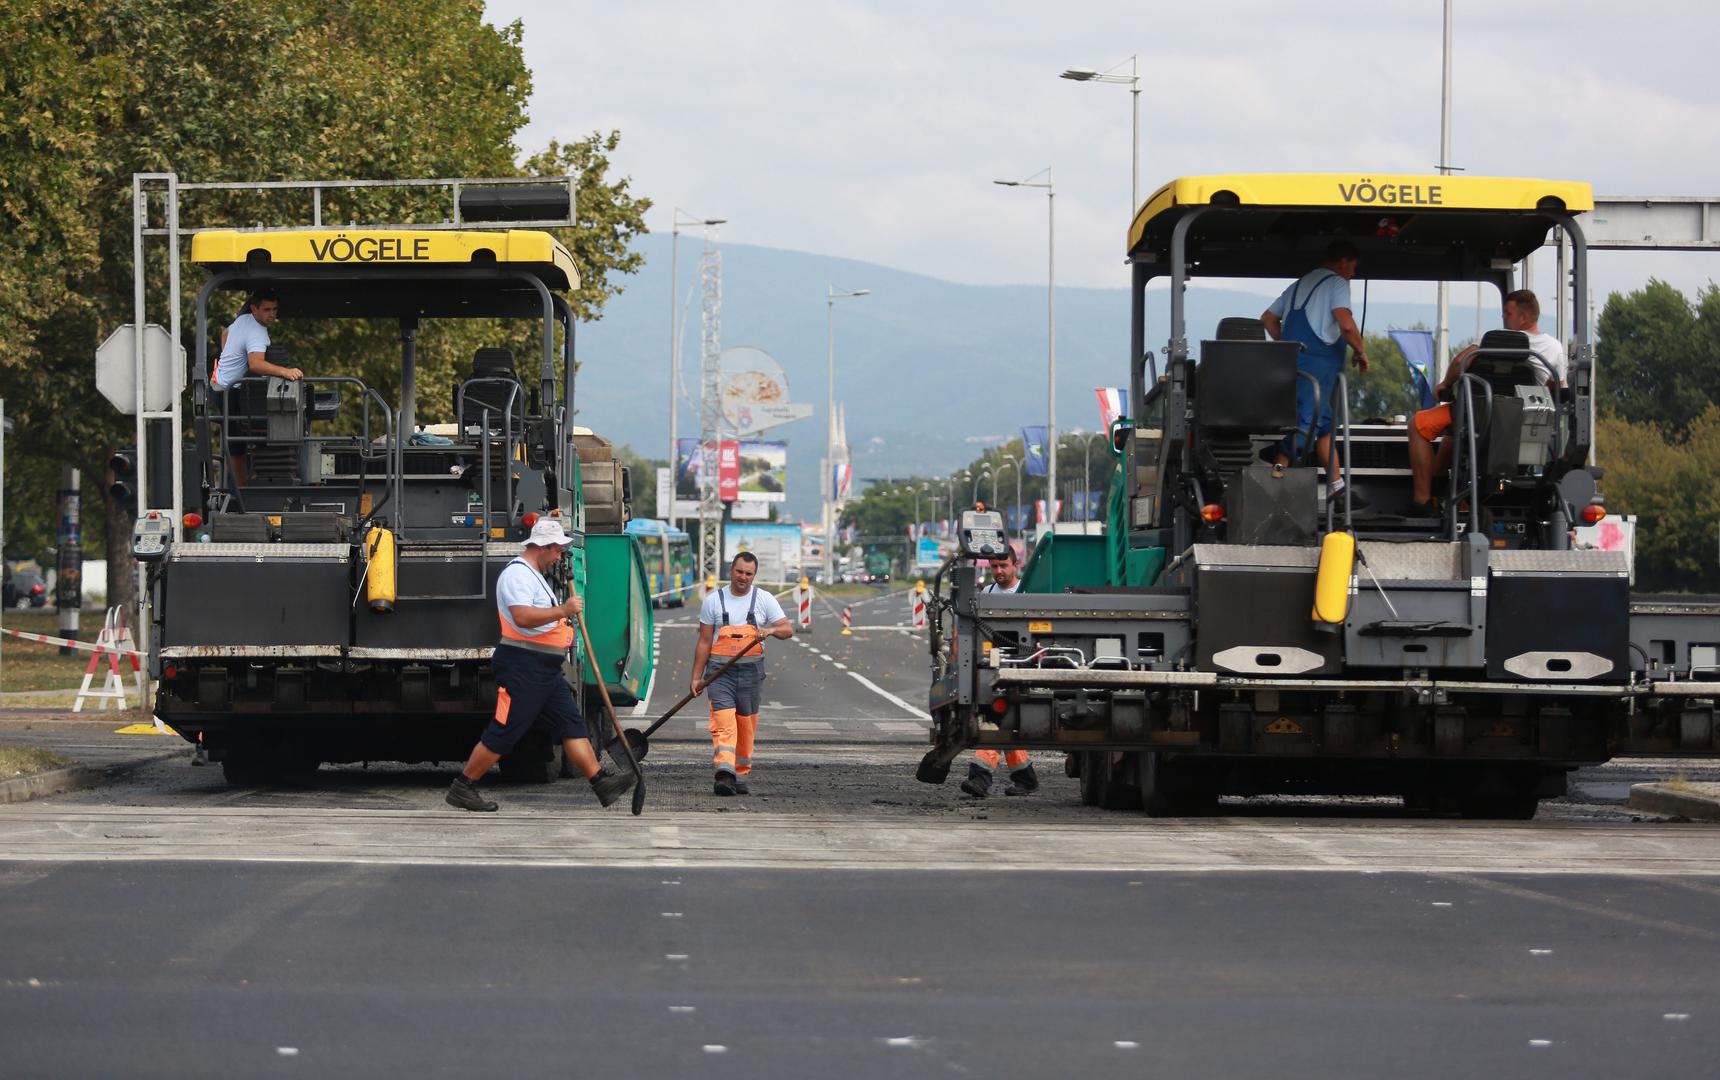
<point>873,130</point>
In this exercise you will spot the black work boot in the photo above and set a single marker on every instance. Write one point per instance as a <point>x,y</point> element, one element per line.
<point>1023,781</point>
<point>608,786</point>
<point>741,786</point>
<point>978,782</point>
<point>464,793</point>
<point>725,785</point>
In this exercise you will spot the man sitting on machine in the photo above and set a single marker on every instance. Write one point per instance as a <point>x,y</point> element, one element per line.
<point>1522,312</point>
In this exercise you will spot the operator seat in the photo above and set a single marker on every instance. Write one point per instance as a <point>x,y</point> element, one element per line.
<point>1245,396</point>
<point>1516,431</point>
<point>488,389</point>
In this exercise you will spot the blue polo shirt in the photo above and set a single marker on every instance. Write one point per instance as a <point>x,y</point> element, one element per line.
<point>244,337</point>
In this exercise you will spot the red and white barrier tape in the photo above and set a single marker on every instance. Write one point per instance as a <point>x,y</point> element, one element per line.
<point>90,646</point>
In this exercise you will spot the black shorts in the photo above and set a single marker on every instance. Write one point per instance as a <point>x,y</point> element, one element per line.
<point>530,690</point>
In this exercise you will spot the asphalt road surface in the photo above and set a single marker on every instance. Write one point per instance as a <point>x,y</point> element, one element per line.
<point>843,920</point>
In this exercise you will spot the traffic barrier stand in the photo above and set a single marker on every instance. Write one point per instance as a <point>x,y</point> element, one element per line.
<point>847,620</point>
<point>112,642</point>
<point>803,597</point>
<point>918,603</point>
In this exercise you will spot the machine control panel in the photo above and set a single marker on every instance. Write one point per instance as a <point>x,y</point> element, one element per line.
<point>982,535</point>
<point>149,537</point>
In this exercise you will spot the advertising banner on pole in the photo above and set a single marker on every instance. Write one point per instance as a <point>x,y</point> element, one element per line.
<point>728,470</point>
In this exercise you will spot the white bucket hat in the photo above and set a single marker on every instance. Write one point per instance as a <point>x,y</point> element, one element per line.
<point>548,532</point>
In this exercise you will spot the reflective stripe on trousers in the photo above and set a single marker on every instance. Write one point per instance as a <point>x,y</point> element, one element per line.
<point>1015,759</point>
<point>732,735</point>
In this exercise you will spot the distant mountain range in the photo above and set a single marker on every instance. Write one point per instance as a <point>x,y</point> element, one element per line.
<point>929,371</point>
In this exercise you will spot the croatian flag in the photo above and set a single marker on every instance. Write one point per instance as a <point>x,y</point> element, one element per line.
<point>839,480</point>
<point>1111,400</point>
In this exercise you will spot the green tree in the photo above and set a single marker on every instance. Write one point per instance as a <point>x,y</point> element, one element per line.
<point>328,89</point>
<point>1672,485</point>
<point>1659,355</point>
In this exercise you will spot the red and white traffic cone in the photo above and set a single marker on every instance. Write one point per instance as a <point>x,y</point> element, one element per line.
<point>803,592</point>
<point>919,605</point>
<point>848,620</point>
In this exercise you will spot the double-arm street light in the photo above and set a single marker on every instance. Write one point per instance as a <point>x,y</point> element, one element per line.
<point>1050,331</point>
<point>973,496</point>
<point>681,218</point>
<point>1087,475</point>
<point>1133,81</point>
<point>831,295</point>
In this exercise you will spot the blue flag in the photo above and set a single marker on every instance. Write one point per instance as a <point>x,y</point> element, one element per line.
<point>1417,346</point>
<point>1033,445</point>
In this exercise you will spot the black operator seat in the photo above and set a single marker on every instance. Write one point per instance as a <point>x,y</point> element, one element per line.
<point>1245,396</point>
<point>489,388</point>
<point>1518,430</point>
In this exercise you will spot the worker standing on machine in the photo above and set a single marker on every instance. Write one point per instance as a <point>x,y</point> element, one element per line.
<point>732,622</point>
<point>1315,312</point>
<point>536,637</point>
<point>1005,578</point>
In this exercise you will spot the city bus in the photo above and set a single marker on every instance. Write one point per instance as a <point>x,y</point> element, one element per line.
<point>669,567</point>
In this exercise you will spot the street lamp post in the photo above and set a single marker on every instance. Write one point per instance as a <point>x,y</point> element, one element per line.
<point>668,512</point>
<point>1133,81</point>
<point>973,496</point>
<point>831,295</point>
<point>1050,332</point>
<point>1013,463</point>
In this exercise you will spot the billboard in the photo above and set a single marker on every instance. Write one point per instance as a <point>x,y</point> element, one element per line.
<point>777,547</point>
<point>762,471</point>
<point>928,555</point>
<point>755,392</point>
<point>749,470</point>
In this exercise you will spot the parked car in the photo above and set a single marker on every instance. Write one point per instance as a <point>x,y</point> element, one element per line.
<point>24,588</point>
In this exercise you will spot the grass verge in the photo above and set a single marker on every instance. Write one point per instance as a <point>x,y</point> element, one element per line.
<point>18,761</point>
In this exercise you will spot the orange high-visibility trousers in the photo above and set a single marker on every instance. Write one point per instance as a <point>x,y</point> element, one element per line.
<point>1015,759</point>
<point>734,699</point>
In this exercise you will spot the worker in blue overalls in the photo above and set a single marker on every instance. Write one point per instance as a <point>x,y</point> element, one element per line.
<point>1315,312</point>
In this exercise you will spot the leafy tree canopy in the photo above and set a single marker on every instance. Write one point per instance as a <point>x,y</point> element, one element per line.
<point>1659,355</point>
<point>96,90</point>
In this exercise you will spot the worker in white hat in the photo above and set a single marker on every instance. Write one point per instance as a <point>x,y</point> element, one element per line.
<point>536,637</point>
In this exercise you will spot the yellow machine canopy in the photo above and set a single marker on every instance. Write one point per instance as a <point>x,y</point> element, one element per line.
<point>367,273</point>
<point>1407,227</point>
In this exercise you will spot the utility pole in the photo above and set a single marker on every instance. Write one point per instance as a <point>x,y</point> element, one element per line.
<point>1442,336</point>
<point>710,407</point>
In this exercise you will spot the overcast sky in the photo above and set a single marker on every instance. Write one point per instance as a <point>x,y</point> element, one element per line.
<point>872,129</point>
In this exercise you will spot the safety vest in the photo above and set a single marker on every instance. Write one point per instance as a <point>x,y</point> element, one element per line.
<point>730,640</point>
<point>554,641</point>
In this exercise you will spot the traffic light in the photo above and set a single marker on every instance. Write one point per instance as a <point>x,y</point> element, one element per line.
<point>123,467</point>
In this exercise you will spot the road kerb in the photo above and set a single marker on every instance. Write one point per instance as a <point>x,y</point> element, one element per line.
<point>52,782</point>
<point>71,778</point>
<point>1698,804</point>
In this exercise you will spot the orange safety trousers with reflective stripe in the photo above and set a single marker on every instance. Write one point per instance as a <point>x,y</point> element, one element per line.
<point>732,741</point>
<point>1015,759</point>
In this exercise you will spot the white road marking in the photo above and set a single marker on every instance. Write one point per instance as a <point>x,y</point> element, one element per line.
<point>824,656</point>
<point>802,727</point>
<point>898,725</point>
<point>887,696</point>
<point>840,666</point>
<point>643,708</point>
